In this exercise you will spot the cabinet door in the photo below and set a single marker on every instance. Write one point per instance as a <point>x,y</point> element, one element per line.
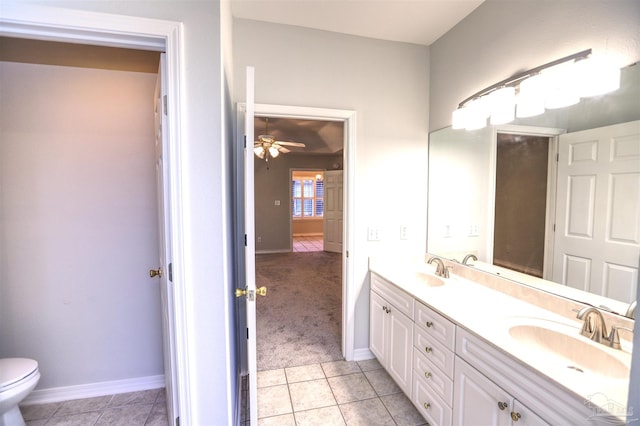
<point>477,400</point>
<point>400,349</point>
<point>377,326</point>
<point>522,416</point>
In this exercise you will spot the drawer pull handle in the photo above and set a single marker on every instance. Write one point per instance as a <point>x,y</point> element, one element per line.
<point>503,405</point>
<point>426,405</point>
<point>429,323</point>
<point>427,349</point>
<point>515,416</point>
<point>427,375</point>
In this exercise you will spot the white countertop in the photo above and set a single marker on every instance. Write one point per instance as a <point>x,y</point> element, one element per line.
<point>489,314</point>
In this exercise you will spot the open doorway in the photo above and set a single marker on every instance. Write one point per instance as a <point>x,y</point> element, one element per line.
<point>300,322</point>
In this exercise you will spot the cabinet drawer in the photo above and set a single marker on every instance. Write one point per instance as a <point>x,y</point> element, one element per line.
<point>434,351</point>
<point>430,406</point>
<point>433,377</point>
<point>435,325</point>
<point>402,301</point>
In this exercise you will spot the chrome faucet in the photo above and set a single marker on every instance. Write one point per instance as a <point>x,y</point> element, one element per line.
<point>467,257</point>
<point>631,311</point>
<point>595,329</point>
<point>441,270</point>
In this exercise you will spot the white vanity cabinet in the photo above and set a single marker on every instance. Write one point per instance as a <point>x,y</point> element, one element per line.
<point>477,400</point>
<point>433,365</point>
<point>391,330</point>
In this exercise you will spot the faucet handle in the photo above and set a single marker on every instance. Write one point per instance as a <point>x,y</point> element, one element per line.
<point>614,336</point>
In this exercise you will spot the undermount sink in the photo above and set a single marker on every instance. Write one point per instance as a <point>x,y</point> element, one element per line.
<point>429,279</point>
<point>565,347</point>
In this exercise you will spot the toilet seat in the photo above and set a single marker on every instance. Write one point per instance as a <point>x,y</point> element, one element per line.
<point>15,370</point>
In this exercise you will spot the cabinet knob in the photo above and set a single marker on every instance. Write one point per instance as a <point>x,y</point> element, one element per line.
<point>515,416</point>
<point>429,323</point>
<point>427,349</point>
<point>426,405</point>
<point>427,375</point>
<point>503,405</point>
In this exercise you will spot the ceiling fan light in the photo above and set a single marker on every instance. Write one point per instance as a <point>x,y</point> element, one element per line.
<point>273,151</point>
<point>259,152</point>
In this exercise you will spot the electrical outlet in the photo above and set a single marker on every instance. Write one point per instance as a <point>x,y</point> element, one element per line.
<point>473,230</point>
<point>403,232</point>
<point>447,231</point>
<point>373,234</point>
<point>276,202</point>
<point>258,240</point>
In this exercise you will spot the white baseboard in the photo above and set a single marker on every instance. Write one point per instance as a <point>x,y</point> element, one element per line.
<point>273,251</point>
<point>362,354</point>
<point>42,396</point>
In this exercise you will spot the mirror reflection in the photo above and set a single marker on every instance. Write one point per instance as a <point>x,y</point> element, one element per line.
<point>549,198</point>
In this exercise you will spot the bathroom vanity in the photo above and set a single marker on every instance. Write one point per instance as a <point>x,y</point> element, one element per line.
<point>466,353</point>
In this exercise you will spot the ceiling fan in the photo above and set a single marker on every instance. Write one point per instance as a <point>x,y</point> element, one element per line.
<point>267,146</point>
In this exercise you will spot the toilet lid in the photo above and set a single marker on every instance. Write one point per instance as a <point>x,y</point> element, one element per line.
<point>14,369</point>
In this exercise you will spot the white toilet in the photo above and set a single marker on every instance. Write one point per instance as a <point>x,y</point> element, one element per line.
<point>18,377</point>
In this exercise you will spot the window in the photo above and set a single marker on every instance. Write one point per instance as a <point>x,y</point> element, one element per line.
<point>307,194</point>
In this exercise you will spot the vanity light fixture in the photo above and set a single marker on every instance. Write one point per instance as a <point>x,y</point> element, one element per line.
<point>557,84</point>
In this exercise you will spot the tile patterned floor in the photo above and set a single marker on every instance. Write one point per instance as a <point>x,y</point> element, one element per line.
<point>308,243</point>
<point>333,393</point>
<point>144,408</point>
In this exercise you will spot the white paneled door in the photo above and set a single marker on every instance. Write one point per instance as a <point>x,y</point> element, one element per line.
<point>164,244</point>
<point>333,210</point>
<point>597,239</point>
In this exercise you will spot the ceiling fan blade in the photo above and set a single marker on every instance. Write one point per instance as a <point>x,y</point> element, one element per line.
<point>298,144</point>
<point>282,149</point>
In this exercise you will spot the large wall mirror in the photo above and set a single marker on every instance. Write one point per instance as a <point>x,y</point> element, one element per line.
<point>551,201</point>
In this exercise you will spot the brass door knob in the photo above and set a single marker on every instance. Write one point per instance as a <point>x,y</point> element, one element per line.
<point>240,292</point>
<point>262,291</point>
<point>155,272</point>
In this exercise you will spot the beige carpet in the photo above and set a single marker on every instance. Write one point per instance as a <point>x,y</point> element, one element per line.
<point>299,322</point>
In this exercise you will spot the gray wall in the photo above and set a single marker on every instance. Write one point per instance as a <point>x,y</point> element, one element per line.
<point>386,83</point>
<point>501,38</point>
<point>78,223</point>
<point>273,222</point>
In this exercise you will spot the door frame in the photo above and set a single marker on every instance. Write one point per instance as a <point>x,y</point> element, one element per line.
<point>348,117</point>
<point>552,134</point>
<point>29,21</point>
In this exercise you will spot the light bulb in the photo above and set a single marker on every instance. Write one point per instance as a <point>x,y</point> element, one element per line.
<point>530,100</point>
<point>596,76</point>
<point>502,105</point>
<point>259,151</point>
<point>274,151</point>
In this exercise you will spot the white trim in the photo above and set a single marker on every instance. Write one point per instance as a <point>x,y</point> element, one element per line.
<point>273,251</point>
<point>48,23</point>
<point>363,354</point>
<point>349,290</point>
<point>66,393</point>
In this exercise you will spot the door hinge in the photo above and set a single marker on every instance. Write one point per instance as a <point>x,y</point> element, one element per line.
<point>247,333</point>
<point>171,272</point>
<point>557,157</point>
<point>245,240</point>
<point>177,421</point>
<point>164,103</point>
<point>554,227</point>
<point>245,141</point>
<point>347,253</point>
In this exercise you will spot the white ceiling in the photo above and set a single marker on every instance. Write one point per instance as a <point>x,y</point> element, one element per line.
<point>410,21</point>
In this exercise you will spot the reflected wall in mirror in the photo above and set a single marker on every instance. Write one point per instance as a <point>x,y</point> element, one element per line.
<point>590,194</point>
